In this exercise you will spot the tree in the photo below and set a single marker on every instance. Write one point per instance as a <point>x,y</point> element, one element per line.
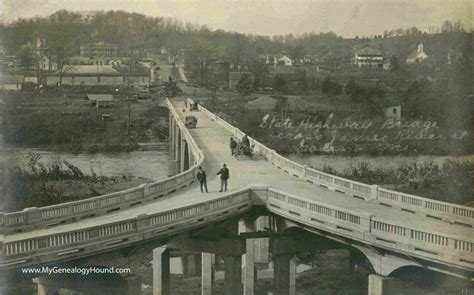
<point>331,87</point>
<point>27,56</point>
<point>297,53</point>
<point>61,34</point>
<point>197,58</point>
<point>394,62</point>
<point>245,84</point>
<point>279,84</point>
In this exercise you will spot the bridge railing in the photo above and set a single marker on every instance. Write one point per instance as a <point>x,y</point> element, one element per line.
<point>33,218</point>
<point>432,208</point>
<point>450,245</point>
<point>83,241</point>
<point>456,247</point>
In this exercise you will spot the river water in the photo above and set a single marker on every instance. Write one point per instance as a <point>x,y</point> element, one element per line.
<point>154,165</point>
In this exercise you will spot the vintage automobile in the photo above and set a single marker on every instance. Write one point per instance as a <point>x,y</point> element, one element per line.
<point>191,121</point>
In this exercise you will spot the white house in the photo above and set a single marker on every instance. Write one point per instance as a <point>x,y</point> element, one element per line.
<point>285,60</point>
<point>368,57</point>
<point>418,55</point>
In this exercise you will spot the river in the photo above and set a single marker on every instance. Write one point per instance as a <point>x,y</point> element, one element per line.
<point>154,165</point>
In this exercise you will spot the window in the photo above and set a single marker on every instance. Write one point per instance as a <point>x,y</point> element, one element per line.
<point>98,79</point>
<point>394,110</point>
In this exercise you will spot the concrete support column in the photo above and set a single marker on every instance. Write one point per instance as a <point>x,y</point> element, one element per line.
<point>206,273</point>
<point>182,156</point>
<point>285,274</point>
<point>177,138</point>
<point>134,285</point>
<point>248,271</point>
<point>233,275</point>
<point>45,288</point>
<point>161,271</point>
<point>170,131</point>
<point>249,268</point>
<point>379,285</point>
<point>262,244</point>
<point>190,264</point>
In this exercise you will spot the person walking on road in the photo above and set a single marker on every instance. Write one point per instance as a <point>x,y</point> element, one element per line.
<point>201,176</point>
<point>233,145</point>
<point>224,173</point>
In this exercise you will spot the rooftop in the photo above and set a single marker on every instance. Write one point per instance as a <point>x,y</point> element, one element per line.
<point>13,79</point>
<point>90,69</point>
<point>369,51</point>
<point>100,97</point>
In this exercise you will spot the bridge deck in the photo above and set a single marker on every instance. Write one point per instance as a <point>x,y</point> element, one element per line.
<point>214,142</point>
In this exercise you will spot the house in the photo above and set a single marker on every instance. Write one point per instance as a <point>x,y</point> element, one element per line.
<point>393,113</point>
<point>234,78</point>
<point>101,100</point>
<point>417,55</point>
<point>45,64</point>
<point>97,75</point>
<point>368,57</point>
<point>141,92</point>
<point>12,82</point>
<point>285,61</point>
<point>98,49</point>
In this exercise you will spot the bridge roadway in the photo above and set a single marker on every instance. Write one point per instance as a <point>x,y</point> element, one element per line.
<point>213,139</point>
<point>214,142</point>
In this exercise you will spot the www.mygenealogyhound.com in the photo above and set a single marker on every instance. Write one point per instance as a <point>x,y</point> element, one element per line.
<point>75,270</point>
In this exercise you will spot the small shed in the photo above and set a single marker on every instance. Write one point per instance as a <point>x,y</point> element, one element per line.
<point>12,82</point>
<point>101,100</point>
<point>393,113</point>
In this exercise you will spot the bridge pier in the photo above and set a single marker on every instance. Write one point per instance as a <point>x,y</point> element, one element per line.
<point>46,287</point>
<point>190,264</point>
<point>285,274</point>
<point>380,285</point>
<point>184,156</point>
<point>161,271</point>
<point>207,273</point>
<point>233,275</point>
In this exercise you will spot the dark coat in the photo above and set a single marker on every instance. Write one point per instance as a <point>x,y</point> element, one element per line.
<point>201,175</point>
<point>224,172</point>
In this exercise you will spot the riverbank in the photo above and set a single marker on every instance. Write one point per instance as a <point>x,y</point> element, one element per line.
<point>41,178</point>
<point>447,179</point>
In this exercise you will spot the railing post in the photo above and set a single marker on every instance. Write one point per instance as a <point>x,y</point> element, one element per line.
<point>272,156</point>
<point>33,215</point>
<point>373,191</point>
<point>304,171</point>
<point>142,221</point>
<point>2,223</point>
<point>145,190</point>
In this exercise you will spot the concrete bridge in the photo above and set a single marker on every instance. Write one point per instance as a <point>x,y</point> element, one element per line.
<point>273,205</point>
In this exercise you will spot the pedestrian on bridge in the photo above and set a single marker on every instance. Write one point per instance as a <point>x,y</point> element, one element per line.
<point>233,145</point>
<point>225,175</point>
<point>201,176</point>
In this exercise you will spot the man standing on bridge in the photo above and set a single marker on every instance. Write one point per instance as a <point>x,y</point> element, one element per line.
<point>224,172</point>
<point>201,176</point>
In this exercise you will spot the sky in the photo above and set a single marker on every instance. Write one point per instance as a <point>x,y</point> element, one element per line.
<point>271,17</point>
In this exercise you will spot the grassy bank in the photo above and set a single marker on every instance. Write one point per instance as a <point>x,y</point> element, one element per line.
<point>33,184</point>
